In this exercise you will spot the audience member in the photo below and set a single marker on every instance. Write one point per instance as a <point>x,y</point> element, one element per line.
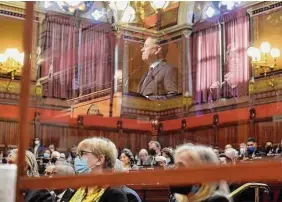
<point>228,146</point>
<point>127,159</point>
<point>268,149</point>
<point>31,167</point>
<point>131,195</point>
<point>143,158</point>
<point>72,154</point>
<point>52,148</point>
<point>100,154</point>
<point>154,150</point>
<point>168,154</point>
<point>243,151</point>
<point>232,154</point>
<point>252,150</point>
<point>190,155</point>
<point>38,149</point>
<point>161,161</point>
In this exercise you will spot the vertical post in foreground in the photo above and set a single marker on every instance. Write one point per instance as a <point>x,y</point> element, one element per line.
<point>23,138</point>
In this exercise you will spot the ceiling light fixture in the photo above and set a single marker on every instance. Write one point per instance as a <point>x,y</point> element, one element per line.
<point>210,11</point>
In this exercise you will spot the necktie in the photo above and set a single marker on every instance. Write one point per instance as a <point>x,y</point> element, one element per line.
<point>148,75</point>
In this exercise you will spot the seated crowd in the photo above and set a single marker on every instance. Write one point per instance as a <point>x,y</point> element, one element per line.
<point>97,155</point>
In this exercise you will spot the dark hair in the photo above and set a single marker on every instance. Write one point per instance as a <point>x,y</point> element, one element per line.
<point>251,139</point>
<point>129,154</point>
<point>169,153</point>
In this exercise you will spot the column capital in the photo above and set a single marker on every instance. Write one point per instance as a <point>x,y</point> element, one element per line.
<point>186,33</point>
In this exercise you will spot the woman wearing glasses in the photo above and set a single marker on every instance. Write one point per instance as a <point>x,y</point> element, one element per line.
<point>100,155</point>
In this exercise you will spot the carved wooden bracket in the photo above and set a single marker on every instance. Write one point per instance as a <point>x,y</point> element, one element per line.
<point>183,124</point>
<point>80,121</point>
<point>215,119</point>
<point>252,114</point>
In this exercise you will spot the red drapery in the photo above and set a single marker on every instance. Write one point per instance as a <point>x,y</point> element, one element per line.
<point>236,68</point>
<point>96,58</point>
<point>60,55</point>
<point>78,56</point>
<point>205,62</point>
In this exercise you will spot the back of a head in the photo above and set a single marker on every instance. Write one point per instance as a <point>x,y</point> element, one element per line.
<point>56,155</point>
<point>64,169</point>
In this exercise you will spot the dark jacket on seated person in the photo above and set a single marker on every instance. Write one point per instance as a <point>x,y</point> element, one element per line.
<point>131,195</point>
<point>113,195</point>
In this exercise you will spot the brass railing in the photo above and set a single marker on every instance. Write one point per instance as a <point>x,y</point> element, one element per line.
<point>256,186</point>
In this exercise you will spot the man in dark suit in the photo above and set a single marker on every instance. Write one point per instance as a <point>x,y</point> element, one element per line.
<point>160,82</point>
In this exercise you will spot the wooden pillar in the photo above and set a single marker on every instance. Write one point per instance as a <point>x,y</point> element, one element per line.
<point>23,138</point>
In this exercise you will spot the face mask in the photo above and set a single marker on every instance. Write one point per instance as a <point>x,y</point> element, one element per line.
<point>80,165</point>
<point>167,160</point>
<point>46,155</point>
<point>53,160</point>
<point>36,142</point>
<point>251,149</point>
<point>152,152</point>
<point>242,150</point>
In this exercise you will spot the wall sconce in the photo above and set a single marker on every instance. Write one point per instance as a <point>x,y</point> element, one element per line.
<point>155,124</point>
<point>156,5</point>
<point>119,124</point>
<point>183,124</point>
<point>215,119</point>
<point>256,55</point>
<point>252,114</point>
<point>11,61</point>
<point>38,89</point>
<point>80,121</point>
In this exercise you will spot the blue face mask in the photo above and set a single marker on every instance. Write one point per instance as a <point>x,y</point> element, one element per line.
<point>46,155</point>
<point>251,149</point>
<point>80,165</point>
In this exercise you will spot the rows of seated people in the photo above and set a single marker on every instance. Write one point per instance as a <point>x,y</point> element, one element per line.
<point>96,155</point>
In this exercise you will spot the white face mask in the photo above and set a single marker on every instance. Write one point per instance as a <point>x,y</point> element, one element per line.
<point>36,142</point>
<point>167,160</point>
<point>242,150</point>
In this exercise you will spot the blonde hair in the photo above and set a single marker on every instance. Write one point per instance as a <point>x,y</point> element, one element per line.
<point>30,160</point>
<point>201,155</point>
<point>100,146</point>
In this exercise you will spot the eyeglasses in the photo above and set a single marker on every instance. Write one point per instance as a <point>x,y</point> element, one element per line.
<point>82,152</point>
<point>47,173</point>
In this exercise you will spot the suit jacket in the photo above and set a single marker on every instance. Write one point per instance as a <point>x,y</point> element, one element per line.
<point>162,82</point>
<point>113,195</point>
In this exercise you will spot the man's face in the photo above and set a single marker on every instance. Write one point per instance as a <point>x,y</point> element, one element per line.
<point>251,144</point>
<point>143,156</point>
<point>150,49</point>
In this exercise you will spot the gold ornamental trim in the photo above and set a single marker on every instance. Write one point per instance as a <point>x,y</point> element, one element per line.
<point>153,105</point>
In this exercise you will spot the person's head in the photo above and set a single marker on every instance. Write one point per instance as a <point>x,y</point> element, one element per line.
<point>47,154</point>
<point>186,156</point>
<point>228,146</point>
<point>56,155</point>
<point>143,155</point>
<point>168,154</point>
<point>154,148</point>
<point>127,158</point>
<point>251,145</point>
<point>268,147</point>
<point>216,150</point>
<point>161,161</point>
<point>36,141</point>
<point>152,50</point>
<point>100,153</point>
<point>73,151</point>
<point>52,148</point>
<point>31,167</point>
<point>232,154</point>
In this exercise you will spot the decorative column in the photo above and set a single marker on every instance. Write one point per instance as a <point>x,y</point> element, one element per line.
<point>115,79</point>
<point>187,65</point>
